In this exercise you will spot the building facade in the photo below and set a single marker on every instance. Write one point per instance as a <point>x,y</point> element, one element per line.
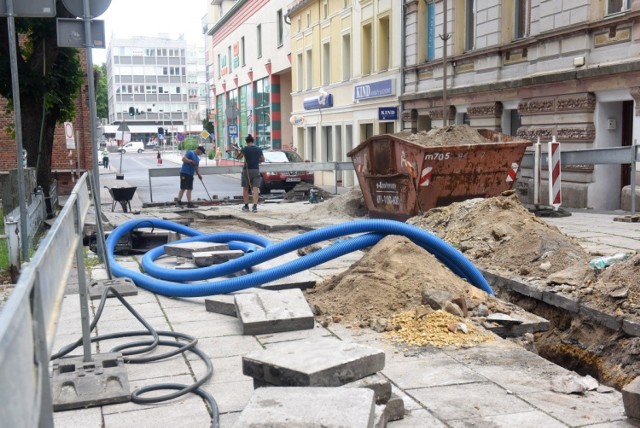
<point>162,79</point>
<point>250,72</point>
<point>535,69</point>
<point>346,67</point>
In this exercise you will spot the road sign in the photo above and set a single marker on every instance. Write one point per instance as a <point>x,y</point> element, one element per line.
<point>233,130</point>
<point>204,134</point>
<point>68,135</point>
<point>31,8</point>
<point>71,33</point>
<point>96,7</point>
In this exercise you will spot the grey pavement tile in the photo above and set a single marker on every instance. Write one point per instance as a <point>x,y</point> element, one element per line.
<point>191,313</point>
<point>472,400</point>
<point>227,346</point>
<point>533,419</point>
<point>146,310</point>
<point>419,418</point>
<point>229,326</point>
<point>575,410</point>
<point>627,423</point>
<point>174,366</point>
<point>85,418</point>
<point>434,370</point>
<point>228,419</point>
<point>135,384</point>
<point>185,413</point>
<point>289,336</point>
<point>230,396</point>
<point>225,370</point>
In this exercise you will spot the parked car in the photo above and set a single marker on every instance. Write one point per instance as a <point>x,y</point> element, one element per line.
<point>134,146</point>
<point>283,180</point>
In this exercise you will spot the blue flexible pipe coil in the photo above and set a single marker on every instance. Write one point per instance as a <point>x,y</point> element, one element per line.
<point>372,230</point>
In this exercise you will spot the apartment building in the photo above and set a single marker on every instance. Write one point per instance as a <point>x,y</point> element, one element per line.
<point>250,72</point>
<point>346,67</point>
<point>163,79</point>
<point>535,69</point>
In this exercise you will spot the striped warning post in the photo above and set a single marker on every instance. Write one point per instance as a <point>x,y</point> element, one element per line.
<point>513,172</point>
<point>555,192</point>
<point>425,176</point>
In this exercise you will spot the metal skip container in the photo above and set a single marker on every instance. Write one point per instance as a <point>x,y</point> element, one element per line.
<point>401,175</point>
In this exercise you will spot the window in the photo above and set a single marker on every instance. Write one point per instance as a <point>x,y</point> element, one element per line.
<point>366,49</point>
<point>280,27</point>
<point>430,33</point>
<point>309,69</point>
<point>521,19</point>
<point>259,39</point>
<point>617,6</point>
<point>326,63</point>
<point>383,44</point>
<point>346,57</point>
<point>325,9</point>
<point>469,24</point>
<point>229,59</point>
<point>242,57</point>
<point>299,75</point>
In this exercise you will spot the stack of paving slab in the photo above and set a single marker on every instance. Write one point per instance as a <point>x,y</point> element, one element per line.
<point>319,382</point>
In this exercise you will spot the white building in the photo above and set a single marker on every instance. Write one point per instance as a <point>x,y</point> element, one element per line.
<point>155,76</point>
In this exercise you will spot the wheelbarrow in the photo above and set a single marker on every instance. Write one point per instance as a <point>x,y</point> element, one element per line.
<point>122,195</point>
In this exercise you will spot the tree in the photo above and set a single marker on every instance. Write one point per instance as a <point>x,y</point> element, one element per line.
<point>102,98</point>
<point>50,80</point>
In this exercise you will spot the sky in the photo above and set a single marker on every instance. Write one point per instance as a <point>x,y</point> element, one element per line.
<point>130,18</point>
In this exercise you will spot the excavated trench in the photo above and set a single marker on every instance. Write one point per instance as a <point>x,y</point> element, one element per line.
<point>580,344</point>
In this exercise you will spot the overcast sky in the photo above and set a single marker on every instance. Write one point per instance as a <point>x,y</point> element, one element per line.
<point>130,18</point>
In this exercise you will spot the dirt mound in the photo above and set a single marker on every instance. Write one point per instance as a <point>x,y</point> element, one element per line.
<point>499,233</point>
<point>453,135</point>
<point>346,206</point>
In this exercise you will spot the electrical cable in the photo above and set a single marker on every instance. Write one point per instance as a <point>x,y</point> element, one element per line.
<point>144,347</point>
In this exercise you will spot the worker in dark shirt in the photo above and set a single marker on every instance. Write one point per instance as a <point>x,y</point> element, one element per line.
<point>250,179</point>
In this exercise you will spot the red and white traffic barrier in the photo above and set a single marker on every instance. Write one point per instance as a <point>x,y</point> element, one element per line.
<point>555,192</point>
<point>425,176</point>
<point>537,172</point>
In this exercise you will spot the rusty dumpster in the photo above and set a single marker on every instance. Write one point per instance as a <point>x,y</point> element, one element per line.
<point>400,178</point>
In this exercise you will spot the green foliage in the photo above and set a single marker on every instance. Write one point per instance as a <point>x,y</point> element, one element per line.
<point>211,155</point>
<point>189,143</point>
<point>102,107</point>
<point>208,126</point>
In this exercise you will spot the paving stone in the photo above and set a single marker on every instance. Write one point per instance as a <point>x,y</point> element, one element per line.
<point>530,323</point>
<point>379,416</point>
<point>394,408</point>
<point>225,304</point>
<point>263,313</point>
<point>208,258</point>
<point>308,407</point>
<point>606,320</point>
<point>561,301</point>
<point>379,384</point>
<point>631,328</point>
<point>631,398</point>
<point>318,362</point>
<point>186,249</point>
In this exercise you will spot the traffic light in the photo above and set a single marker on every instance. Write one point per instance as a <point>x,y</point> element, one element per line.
<point>132,111</point>
<point>161,131</point>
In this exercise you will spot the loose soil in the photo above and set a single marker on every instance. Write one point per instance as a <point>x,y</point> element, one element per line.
<point>500,235</point>
<point>453,135</point>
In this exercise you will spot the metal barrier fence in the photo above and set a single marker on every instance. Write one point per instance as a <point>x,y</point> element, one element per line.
<point>28,320</point>
<point>265,167</point>
<point>36,214</point>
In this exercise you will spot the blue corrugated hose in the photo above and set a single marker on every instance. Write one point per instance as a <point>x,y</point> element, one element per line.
<point>158,279</point>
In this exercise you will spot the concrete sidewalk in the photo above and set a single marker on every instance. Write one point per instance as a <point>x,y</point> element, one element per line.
<point>497,384</point>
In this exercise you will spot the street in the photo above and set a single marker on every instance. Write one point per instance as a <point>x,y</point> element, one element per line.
<point>135,168</point>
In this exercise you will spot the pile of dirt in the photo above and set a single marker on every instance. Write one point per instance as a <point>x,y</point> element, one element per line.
<point>453,135</point>
<point>346,206</point>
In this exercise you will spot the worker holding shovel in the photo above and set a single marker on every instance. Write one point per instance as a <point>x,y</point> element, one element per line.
<point>250,179</point>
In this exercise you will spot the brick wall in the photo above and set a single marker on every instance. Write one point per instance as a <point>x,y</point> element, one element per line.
<point>64,163</point>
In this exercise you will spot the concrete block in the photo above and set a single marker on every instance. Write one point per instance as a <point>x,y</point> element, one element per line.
<point>561,301</point>
<point>318,362</point>
<point>276,311</point>
<point>631,328</point>
<point>394,408</point>
<point>379,384</point>
<point>308,407</point>
<point>609,321</point>
<point>631,398</point>
<point>379,416</point>
<point>225,304</point>
<point>186,249</point>
<point>208,258</point>
<point>531,323</point>
<point>496,281</point>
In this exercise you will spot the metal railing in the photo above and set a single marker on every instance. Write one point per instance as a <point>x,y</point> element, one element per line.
<point>36,214</point>
<point>28,320</point>
<point>627,155</point>
<point>337,167</point>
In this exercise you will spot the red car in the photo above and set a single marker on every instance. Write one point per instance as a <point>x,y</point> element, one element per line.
<point>283,180</point>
